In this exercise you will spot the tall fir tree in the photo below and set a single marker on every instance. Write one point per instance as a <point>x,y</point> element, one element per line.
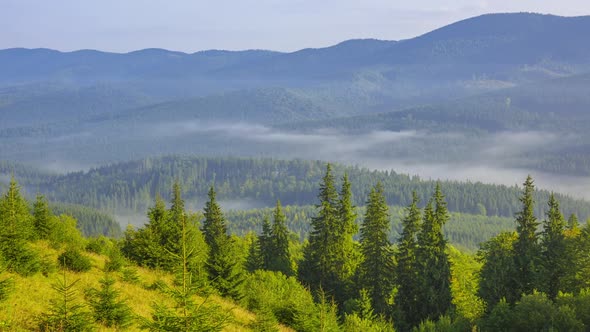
<point>434,265</point>
<point>279,257</point>
<point>554,253</point>
<point>259,250</point>
<point>225,272</point>
<point>42,217</point>
<point>345,256</point>
<point>314,270</point>
<point>407,279</point>
<point>526,247</point>
<point>377,268</point>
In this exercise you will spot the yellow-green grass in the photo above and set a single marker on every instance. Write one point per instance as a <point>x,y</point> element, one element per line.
<point>30,296</point>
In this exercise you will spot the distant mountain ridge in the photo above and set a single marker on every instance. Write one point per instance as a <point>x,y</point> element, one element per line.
<point>506,39</point>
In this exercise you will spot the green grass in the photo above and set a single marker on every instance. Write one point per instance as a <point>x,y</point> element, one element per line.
<point>31,296</point>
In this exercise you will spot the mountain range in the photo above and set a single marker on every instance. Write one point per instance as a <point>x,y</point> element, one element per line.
<point>458,94</point>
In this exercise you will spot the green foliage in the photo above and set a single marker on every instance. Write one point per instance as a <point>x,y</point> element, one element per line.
<point>377,268</point>
<point>91,222</point>
<point>187,315</point>
<point>115,261</point>
<point>324,319</point>
<point>16,223</point>
<point>100,245</point>
<point>265,322</point>
<point>65,313</point>
<point>433,262</point>
<point>156,244</point>
<point>42,218</point>
<point>64,233</point>
<point>354,323</point>
<point>130,276</point>
<point>554,254</point>
<point>19,257</point>
<point>407,277</point>
<point>107,307</point>
<point>6,283</point>
<point>499,319</point>
<point>74,260</point>
<point>580,303</point>
<point>468,306</point>
<point>278,257</point>
<point>535,312</point>
<point>497,272</point>
<point>284,297</point>
<point>133,185</point>
<point>526,247</point>
<point>329,261</point>
<point>225,272</point>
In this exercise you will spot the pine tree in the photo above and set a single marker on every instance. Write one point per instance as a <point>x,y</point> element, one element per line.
<point>42,218</point>
<point>65,313</point>
<point>554,254</point>
<point>407,277</point>
<point>526,247</point>
<point>108,309</point>
<point>376,268</point>
<point>314,270</point>
<point>225,272</point>
<point>433,262</point>
<point>280,258</point>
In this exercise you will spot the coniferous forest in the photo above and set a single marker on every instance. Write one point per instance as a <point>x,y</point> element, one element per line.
<point>341,277</point>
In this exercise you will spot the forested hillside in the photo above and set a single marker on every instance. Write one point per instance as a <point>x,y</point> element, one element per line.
<point>133,185</point>
<point>186,273</point>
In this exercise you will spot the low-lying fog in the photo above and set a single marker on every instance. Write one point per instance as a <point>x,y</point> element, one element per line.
<point>489,158</point>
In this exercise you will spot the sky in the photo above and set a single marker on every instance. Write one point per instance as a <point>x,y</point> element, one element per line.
<point>282,25</point>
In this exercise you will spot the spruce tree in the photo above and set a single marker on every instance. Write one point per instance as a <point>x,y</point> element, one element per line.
<point>345,257</point>
<point>433,262</point>
<point>407,278</point>
<point>265,243</point>
<point>280,257</point>
<point>554,254</point>
<point>497,272</point>
<point>42,218</point>
<point>526,247</point>
<point>376,268</point>
<point>330,259</point>
<point>66,313</point>
<point>572,222</point>
<point>108,309</point>
<point>16,228</point>
<point>15,220</point>
<point>314,270</point>
<point>186,314</point>
<point>225,272</point>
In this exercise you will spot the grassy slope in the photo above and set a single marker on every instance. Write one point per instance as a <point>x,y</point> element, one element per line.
<point>31,295</point>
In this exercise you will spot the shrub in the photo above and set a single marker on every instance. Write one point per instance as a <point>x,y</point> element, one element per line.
<point>99,245</point>
<point>73,260</point>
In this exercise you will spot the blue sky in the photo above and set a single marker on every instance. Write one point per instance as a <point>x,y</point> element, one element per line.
<point>193,25</point>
